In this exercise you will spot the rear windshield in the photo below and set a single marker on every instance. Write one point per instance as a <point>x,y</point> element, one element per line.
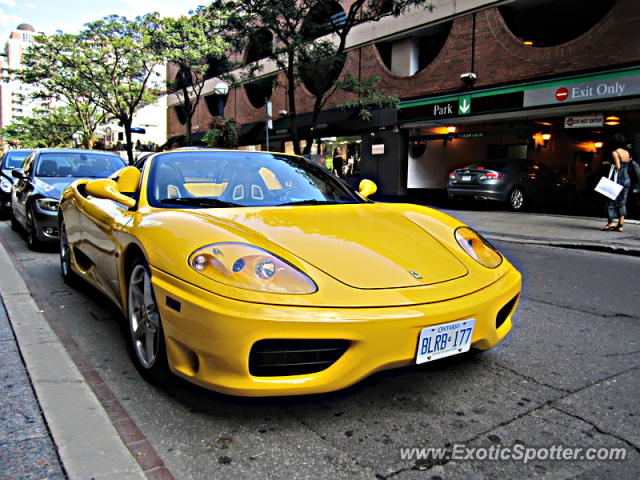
<point>77,164</point>
<point>14,160</point>
<point>490,165</point>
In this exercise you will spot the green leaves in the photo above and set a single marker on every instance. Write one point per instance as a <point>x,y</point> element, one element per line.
<point>109,68</point>
<point>194,44</point>
<point>310,47</point>
<point>367,95</point>
<point>222,133</point>
<point>45,129</point>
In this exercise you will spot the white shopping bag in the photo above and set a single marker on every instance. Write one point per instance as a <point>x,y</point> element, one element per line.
<point>608,187</point>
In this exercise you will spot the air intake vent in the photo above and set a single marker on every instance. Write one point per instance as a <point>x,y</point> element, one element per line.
<point>505,311</point>
<point>273,358</point>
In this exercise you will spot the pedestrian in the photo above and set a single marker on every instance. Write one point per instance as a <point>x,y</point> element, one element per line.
<point>338,162</point>
<point>617,209</point>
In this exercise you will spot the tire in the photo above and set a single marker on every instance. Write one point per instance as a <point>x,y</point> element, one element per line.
<point>148,348</point>
<point>517,199</point>
<point>68,275</point>
<point>30,232</point>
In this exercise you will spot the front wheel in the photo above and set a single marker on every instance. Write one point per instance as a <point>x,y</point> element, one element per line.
<point>68,275</point>
<point>31,231</point>
<point>147,338</point>
<point>517,199</point>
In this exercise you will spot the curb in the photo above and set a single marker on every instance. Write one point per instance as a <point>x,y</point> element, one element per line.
<point>87,442</point>
<point>593,247</point>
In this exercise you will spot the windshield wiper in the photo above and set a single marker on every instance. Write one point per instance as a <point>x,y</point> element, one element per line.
<point>199,202</point>
<point>308,202</point>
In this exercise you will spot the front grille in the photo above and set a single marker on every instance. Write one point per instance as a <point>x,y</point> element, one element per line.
<point>505,311</point>
<point>272,358</point>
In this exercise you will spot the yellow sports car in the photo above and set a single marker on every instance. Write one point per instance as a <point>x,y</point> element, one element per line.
<point>254,273</point>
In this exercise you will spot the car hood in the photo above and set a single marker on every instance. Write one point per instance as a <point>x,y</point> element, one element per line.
<point>364,246</point>
<point>53,186</point>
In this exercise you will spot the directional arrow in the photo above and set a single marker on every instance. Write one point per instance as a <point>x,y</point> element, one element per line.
<point>464,105</point>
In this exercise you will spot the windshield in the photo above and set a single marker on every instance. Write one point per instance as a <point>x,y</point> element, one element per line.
<point>14,160</point>
<point>201,179</point>
<point>77,164</point>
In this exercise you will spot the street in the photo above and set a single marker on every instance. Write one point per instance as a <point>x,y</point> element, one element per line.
<point>568,374</point>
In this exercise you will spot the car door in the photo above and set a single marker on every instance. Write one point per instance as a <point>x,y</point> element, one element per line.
<point>100,222</point>
<point>21,190</point>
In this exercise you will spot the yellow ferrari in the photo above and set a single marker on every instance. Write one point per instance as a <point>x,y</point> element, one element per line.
<point>254,273</point>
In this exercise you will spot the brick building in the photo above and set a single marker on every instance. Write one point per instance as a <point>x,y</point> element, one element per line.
<point>477,80</point>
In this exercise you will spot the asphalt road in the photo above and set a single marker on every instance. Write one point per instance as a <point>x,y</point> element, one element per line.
<point>569,373</point>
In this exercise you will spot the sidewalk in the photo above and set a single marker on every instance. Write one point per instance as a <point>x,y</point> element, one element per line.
<point>26,447</point>
<point>553,230</point>
<point>52,426</point>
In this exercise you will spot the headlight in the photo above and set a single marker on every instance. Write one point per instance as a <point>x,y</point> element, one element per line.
<point>252,268</point>
<point>477,247</point>
<point>5,185</point>
<point>49,204</point>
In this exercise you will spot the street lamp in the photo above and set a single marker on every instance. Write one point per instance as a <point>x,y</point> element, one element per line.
<point>76,138</point>
<point>221,89</point>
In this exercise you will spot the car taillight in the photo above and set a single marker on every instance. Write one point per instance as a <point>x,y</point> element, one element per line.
<point>491,175</point>
<point>452,175</point>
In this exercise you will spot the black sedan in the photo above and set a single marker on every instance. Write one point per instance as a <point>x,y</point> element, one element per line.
<point>40,182</point>
<point>519,183</point>
<point>10,159</point>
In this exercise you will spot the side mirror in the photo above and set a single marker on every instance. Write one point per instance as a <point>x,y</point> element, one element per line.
<point>127,179</point>
<point>367,188</point>
<point>17,173</point>
<point>108,189</point>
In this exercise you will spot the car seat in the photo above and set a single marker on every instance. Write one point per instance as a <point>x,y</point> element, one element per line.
<point>169,183</point>
<point>246,185</point>
<point>48,168</point>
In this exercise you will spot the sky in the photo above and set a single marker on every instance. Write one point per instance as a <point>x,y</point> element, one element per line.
<point>69,16</point>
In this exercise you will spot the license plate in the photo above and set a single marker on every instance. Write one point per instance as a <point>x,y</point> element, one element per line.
<point>466,178</point>
<point>439,341</point>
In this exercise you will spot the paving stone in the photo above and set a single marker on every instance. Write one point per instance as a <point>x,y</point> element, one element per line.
<point>30,459</point>
<point>20,418</point>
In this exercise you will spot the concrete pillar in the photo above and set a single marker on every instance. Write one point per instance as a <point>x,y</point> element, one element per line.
<point>404,57</point>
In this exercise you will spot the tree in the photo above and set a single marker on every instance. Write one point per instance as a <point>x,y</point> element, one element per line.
<point>53,128</point>
<point>110,64</point>
<point>222,133</point>
<point>302,50</point>
<point>54,78</point>
<point>192,44</point>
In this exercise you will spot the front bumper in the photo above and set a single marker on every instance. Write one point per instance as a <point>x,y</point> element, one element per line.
<point>210,338</point>
<point>46,224</point>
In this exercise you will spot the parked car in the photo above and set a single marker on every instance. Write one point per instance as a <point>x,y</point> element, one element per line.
<point>257,273</point>
<point>10,160</point>
<point>40,181</point>
<point>519,183</point>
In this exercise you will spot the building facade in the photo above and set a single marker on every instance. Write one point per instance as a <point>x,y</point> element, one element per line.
<point>15,100</point>
<point>541,79</point>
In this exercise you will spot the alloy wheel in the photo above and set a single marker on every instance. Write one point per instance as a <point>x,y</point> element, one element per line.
<point>65,253</point>
<point>516,199</point>
<point>31,230</point>
<point>144,320</point>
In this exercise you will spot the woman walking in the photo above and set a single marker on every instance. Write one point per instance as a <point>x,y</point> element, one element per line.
<point>617,209</point>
